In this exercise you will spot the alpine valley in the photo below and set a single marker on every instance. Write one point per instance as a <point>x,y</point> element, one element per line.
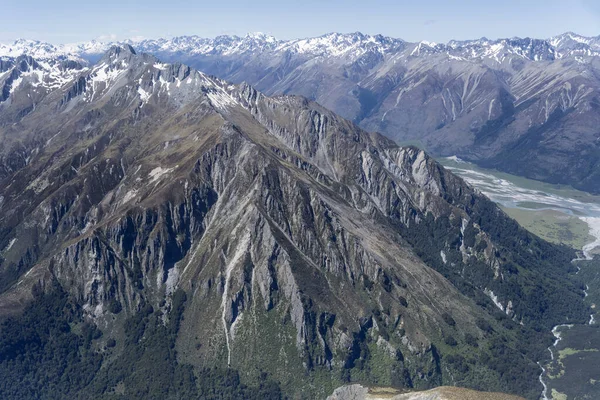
<point>166,234</point>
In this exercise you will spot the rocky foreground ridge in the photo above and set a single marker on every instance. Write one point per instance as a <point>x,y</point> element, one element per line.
<point>358,392</point>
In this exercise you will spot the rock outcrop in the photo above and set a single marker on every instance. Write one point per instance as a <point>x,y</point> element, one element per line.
<point>299,239</point>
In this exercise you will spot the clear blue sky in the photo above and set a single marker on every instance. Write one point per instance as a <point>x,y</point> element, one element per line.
<point>63,21</point>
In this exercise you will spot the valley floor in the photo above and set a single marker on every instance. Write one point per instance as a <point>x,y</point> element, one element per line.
<point>556,213</point>
<point>560,215</point>
<point>574,370</point>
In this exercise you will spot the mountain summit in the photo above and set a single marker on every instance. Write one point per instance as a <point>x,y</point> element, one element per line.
<point>167,229</point>
<point>521,105</point>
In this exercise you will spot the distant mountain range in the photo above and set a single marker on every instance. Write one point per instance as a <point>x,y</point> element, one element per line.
<point>352,46</point>
<point>524,106</point>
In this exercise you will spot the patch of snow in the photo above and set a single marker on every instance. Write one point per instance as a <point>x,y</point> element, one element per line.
<point>490,108</point>
<point>103,78</point>
<point>451,57</point>
<point>158,172</point>
<point>220,99</point>
<point>144,96</point>
<point>14,85</point>
<point>87,227</point>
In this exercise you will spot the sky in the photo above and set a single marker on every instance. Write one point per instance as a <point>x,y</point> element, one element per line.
<point>68,21</point>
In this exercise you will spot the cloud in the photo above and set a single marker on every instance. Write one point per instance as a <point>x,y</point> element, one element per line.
<point>429,22</point>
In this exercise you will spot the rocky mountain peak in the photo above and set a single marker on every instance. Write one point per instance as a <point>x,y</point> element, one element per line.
<point>37,49</point>
<point>572,43</point>
<point>118,53</point>
<point>260,36</point>
<point>243,231</point>
<point>25,63</point>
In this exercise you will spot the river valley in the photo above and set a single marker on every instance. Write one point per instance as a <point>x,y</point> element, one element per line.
<point>562,215</point>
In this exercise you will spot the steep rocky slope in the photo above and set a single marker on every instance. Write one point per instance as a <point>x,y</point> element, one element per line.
<point>169,222</point>
<point>524,106</point>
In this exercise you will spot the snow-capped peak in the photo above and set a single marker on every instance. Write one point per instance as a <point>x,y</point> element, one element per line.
<point>36,49</point>
<point>349,46</point>
<point>573,44</point>
<point>338,44</point>
<point>259,36</point>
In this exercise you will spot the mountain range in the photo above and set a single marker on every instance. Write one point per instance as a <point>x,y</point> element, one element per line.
<point>168,234</point>
<point>523,106</point>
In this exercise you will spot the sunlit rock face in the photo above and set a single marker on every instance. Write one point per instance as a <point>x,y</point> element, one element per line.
<point>298,238</point>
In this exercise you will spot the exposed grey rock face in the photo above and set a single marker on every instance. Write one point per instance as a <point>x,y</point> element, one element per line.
<point>524,106</point>
<point>297,236</point>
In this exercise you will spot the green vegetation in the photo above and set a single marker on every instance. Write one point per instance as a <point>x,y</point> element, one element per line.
<point>537,275</point>
<point>553,226</point>
<point>41,356</point>
<point>573,373</point>
<point>49,352</point>
<point>538,278</point>
<point>569,352</point>
<point>141,361</point>
<point>556,395</point>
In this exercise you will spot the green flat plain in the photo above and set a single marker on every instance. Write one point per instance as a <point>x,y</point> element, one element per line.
<point>553,225</point>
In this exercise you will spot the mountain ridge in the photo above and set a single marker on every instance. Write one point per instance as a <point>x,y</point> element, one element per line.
<point>249,232</point>
<point>327,44</point>
<point>523,106</point>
